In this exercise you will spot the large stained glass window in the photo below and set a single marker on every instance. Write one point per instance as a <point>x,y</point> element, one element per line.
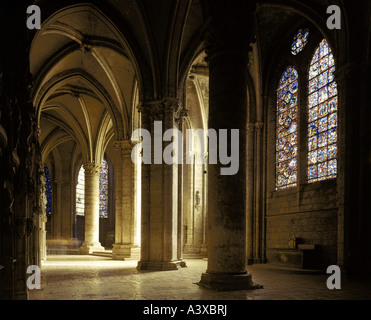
<point>48,191</point>
<point>103,191</point>
<point>322,116</point>
<point>286,130</point>
<point>300,41</point>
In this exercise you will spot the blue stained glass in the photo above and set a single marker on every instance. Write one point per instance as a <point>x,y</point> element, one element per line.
<point>312,172</point>
<point>286,129</point>
<point>322,105</point>
<point>48,191</point>
<point>300,41</point>
<point>103,190</point>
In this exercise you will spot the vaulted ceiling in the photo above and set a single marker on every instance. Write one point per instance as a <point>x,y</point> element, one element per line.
<point>90,62</point>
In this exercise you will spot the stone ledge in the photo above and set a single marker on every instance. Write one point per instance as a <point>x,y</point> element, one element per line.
<point>305,256</point>
<point>161,265</point>
<point>226,282</point>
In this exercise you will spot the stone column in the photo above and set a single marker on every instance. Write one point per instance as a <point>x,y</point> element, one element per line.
<point>258,194</point>
<point>354,171</point>
<point>65,201</point>
<point>92,172</point>
<point>160,216</point>
<point>56,218</point>
<point>227,40</point>
<point>203,250</point>
<point>124,229</point>
<point>188,206</point>
<point>250,192</point>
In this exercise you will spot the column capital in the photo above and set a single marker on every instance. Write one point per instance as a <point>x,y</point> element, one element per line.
<point>250,128</point>
<point>92,168</point>
<point>125,146</point>
<point>259,127</point>
<point>156,109</point>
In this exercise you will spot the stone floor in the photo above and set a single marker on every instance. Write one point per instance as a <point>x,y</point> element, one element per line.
<point>73,277</point>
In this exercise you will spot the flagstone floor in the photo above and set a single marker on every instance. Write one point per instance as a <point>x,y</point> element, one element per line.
<point>73,277</point>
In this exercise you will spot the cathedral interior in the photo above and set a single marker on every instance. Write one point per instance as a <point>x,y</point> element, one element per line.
<point>291,78</point>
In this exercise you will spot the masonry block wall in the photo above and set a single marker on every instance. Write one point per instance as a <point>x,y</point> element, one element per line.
<point>307,213</point>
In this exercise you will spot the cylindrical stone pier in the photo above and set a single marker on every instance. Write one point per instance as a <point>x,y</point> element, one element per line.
<point>92,172</point>
<point>227,44</point>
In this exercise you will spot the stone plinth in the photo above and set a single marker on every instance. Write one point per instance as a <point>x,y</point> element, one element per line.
<point>90,247</point>
<point>161,265</point>
<point>228,282</point>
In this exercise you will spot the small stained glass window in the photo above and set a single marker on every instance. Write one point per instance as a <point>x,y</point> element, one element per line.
<point>322,115</point>
<point>80,193</point>
<point>103,191</point>
<point>300,41</point>
<point>48,191</point>
<point>286,130</point>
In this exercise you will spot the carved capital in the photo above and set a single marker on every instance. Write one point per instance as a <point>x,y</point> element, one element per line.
<point>176,109</point>
<point>259,127</point>
<point>250,128</point>
<point>124,146</point>
<point>156,110</point>
<point>92,168</point>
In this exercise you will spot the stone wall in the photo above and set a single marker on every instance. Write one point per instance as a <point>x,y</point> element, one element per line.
<point>309,214</point>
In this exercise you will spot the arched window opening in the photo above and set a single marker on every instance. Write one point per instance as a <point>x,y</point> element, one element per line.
<point>80,193</point>
<point>103,191</point>
<point>286,130</point>
<point>322,116</point>
<point>48,191</point>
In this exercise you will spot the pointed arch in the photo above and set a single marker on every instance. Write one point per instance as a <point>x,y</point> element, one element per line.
<point>322,115</point>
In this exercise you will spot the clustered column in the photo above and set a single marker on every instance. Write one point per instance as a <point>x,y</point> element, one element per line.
<point>160,216</point>
<point>92,173</point>
<point>124,230</point>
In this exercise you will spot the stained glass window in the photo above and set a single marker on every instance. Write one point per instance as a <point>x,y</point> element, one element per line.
<point>286,130</point>
<point>103,191</point>
<point>300,41</point>
<point>80,193</point>
<point>48,191</point>
<point>322,116</point>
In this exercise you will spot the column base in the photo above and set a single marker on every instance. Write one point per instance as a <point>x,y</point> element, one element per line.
<point>161,265</point>
<point>190,248</point>
<point>89,247</point>
<point>121,251</point>
<point>192,252</point>
<point>228,282</point>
